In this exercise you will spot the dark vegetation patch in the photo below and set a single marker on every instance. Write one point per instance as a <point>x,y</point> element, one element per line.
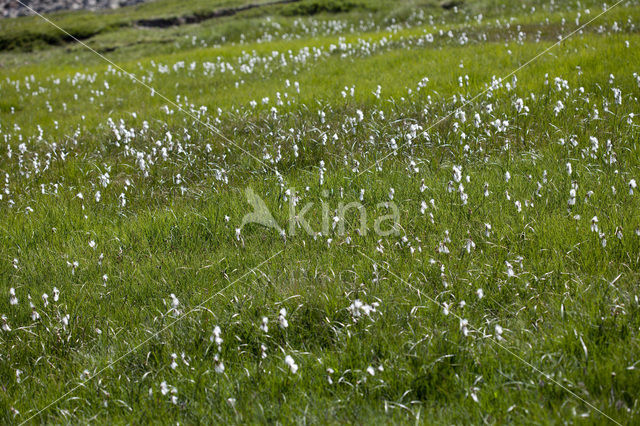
<point>42,34</point>
<point>204,15</point>
<point>29,40</point>
<point>314,7</point>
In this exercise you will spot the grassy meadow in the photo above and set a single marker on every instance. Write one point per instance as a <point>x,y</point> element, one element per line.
<point>495,278</point>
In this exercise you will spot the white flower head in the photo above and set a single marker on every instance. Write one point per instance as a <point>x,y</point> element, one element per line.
<point>291,363</point>
<point>216,336</point>
<point>13,300</point>
<point>282,318</point>
<point>174,301</point>
<point>219,365</point>
<point>499,331</point>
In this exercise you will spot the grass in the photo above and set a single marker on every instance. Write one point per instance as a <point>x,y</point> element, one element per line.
<point>554,337</point>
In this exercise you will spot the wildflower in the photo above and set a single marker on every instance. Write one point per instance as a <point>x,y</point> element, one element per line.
<point>73,265</point>
<point>56,294</point>
<point>322,169</point>
<point>35,316</point>
<point>510,272</point>
<point>357,309</point>
<point>457,173</point>
<point>185,360</point>
<point>499,331</point>
<point>371,370</point>
<point>442,248</point>
<point>219,365</point>
<point>65,321</point>
<point>215,337</point>
<point>632,186</point>
<point>174,364</point>
<point>572,197</point>
<point>480,293</point>
<point>45,299</point>
<point>445,308</point>
<point>569,169</point>
<point>594,224</point>
<point>469,245</point>
<point>463,196</point>
<point>282,318</point>
<point>464,327</point>
<point>5,325</point>
<point>13,300</point>
<point>265,324</point>
<point>291,363</point>
<point>174,301</point>
<point>164,388</point>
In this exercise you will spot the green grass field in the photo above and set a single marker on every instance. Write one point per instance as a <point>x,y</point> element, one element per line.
<point>486,270</point>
